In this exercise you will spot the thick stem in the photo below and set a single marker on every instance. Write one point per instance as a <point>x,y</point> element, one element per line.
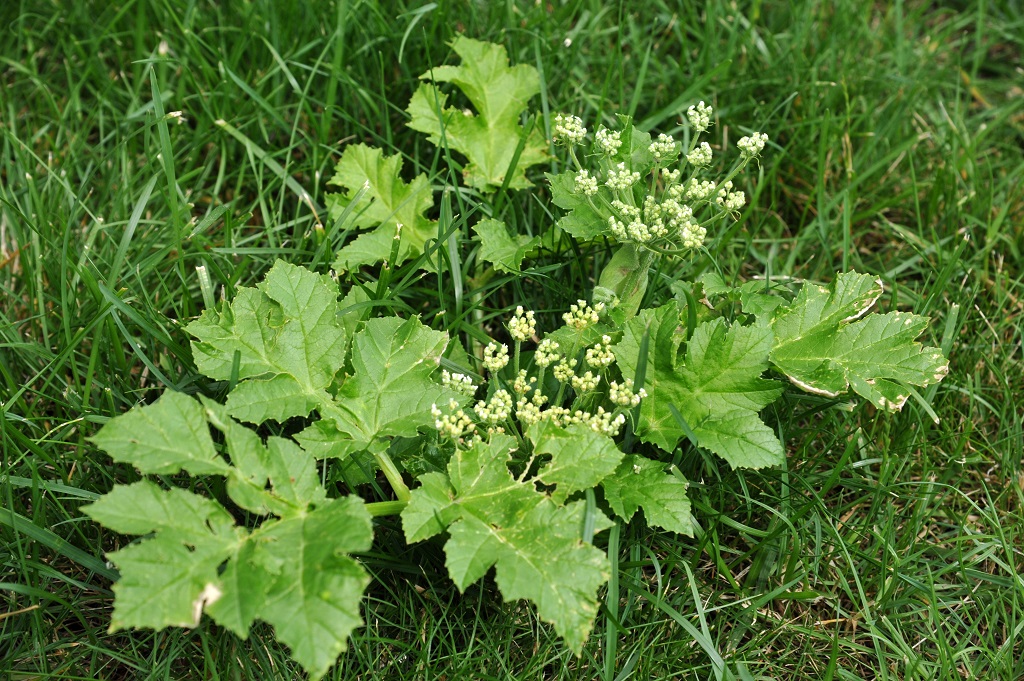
<point>382,508</point>
<point>393,475</point>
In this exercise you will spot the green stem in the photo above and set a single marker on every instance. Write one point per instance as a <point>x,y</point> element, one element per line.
<point>393,475</point>
<point>383,508</point>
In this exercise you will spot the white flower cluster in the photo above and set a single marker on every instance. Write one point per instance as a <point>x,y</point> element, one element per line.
<point>584,184</point>
<point>495,356</point>
<point>585,383</point>
<point>522,326</point>
<point>700,117</point>
<point>601,421</point>
<point>601,355</point>
<point>454,424</point>
<point>752,146</point>
<point>608,140</point>
<point>692,235</point>
<point>730,200</point>
<point>621,177</point>
<point>699,190</point>
<point>623,395</point>
<point>581,315</point>
<point>700,156</point>
<point>569,129</point>
<point>663,147</point>
<point>547,353</point>
<point>460,383</point>
<point>495,410</point>
<point>564,370</point>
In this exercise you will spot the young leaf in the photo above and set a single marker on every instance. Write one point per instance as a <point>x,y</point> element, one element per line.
<point>391,391</point>
<point>580,457</point>
<point>288,338</point>
<point>489,138</point>
<point>716,391</point>
<point>533,543</point>
<point>505,252</point>
<point>641,483</point>
<point>384,202</point>
<point>823,350</point>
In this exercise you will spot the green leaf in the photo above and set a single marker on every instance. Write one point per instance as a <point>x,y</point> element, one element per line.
<point>489,138</point>
<point>288,338</point>
<point>505,252</point>
<point>823,349</point>
<point>292,571</point>
<point>641,483</point>
<point>167,580</point>
<point>392,390</point>
<point>580,457</point>
<point>715,392</point>
<point>384,202</point>
<point>163,438</point>
<point>314,588</point>
<point>534,544</point>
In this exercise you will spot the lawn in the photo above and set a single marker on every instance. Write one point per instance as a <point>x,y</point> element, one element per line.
<point>157,155</point>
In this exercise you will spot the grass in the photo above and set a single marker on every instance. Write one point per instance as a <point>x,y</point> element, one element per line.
<point>888,547</point>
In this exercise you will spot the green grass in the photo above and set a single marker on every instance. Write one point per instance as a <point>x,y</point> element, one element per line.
<point>889,547</point>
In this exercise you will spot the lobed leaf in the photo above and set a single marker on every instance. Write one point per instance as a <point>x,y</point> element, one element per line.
<point>504,252</point>
<point>825,347</point>
<point>377,197</point>
<point>391,390</point>
<point>495,520</point>
<point>580,457</point>
<point>490,137</point>
<point>639,483</point>
<point>714,393</point>
<point>288,339</point>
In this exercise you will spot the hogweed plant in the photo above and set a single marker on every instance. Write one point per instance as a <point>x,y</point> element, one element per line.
<point>520,455</point>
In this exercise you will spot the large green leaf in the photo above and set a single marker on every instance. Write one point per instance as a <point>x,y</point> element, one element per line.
<point>489,138</point>
<point>289,342</point>
<point>377,197</point>
<point>496,520</point>
<point>580,457</point>
<point>826,345</point>
<point>391,390</point>
<point>715,391</point>
<point>641,483</point>
<point>292,571</point>
<point>314,590</point>
<point>163,438</point>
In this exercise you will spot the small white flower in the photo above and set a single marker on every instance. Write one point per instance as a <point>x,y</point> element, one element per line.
<point>662,147</point>
<point>621,178</point>
<point>692,235</point>
<point>700,156</point>
<point>699,190</point>
<point>522,326</point>
<point>569,129</point>
<point>586,382</point>
<point>700,116</point>
<point>547,353</point>
<point>495,356</point>
<point>584,184</point>
<point>496,410</point>
<point>608,140</point>
<point>460,383</point>
<point>581,315</point>
<point>601,355</point>
<point>623,395</point>
<point>752,146</point>
<point>564,370</point>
